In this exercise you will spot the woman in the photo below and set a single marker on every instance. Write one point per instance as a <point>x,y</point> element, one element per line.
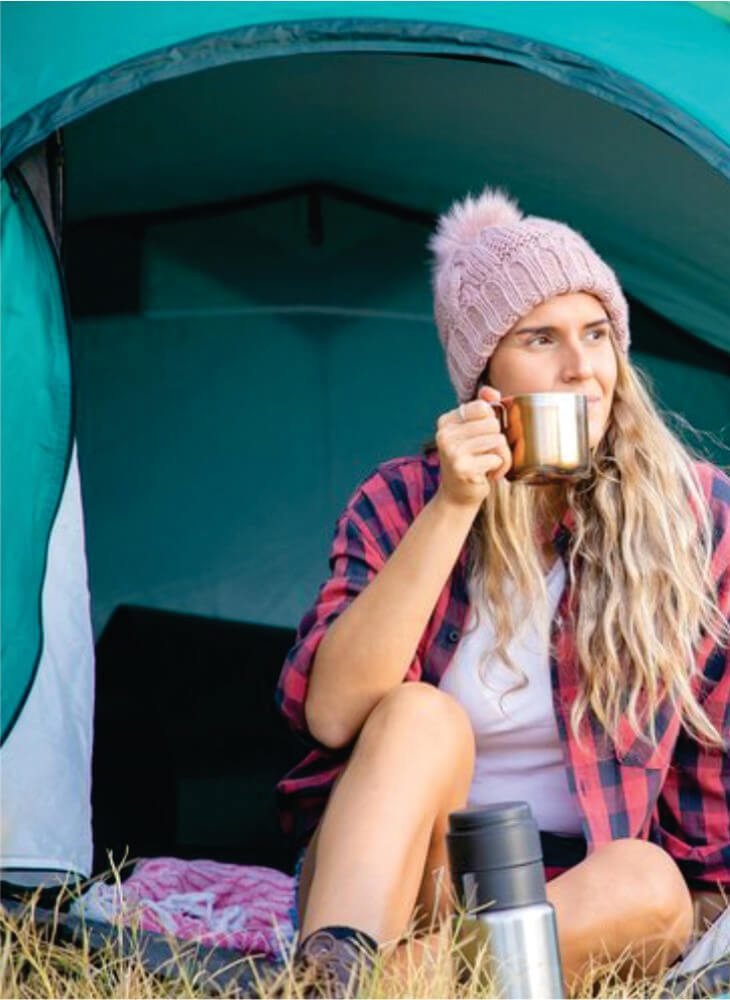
<point>564,644</point>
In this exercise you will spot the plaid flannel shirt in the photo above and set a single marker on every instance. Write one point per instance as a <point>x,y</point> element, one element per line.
<point>676,794</point>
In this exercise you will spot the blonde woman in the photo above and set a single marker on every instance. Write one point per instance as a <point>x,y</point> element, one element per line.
<point>566,645</point>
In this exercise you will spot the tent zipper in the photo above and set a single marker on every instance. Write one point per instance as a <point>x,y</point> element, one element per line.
<point>14,175</point>
<point>56,177</point>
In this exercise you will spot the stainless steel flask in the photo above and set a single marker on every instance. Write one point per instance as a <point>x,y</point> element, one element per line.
<point>507,928</point>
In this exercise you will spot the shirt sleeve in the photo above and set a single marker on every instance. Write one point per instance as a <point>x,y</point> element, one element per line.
<point>694,806</point>
<point>365,535</point>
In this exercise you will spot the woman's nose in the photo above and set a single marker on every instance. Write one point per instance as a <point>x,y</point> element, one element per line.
<point>576,363</point>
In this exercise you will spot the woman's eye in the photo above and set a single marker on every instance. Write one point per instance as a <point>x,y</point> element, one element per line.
<point>599,334</point>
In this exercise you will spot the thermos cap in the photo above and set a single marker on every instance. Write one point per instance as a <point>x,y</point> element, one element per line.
<point>481,816</point>
<point>497,850</point>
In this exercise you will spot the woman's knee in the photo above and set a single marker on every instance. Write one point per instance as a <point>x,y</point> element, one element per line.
<point>655,884</point>
<point>426,718</point>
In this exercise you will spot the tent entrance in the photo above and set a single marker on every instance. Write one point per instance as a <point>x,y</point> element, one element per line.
<point>252,333</point>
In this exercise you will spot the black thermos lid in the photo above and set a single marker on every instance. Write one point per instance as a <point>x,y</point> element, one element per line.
<point>495,856</point>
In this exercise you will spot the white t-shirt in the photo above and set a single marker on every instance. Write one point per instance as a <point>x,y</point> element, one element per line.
<point>519,753</point>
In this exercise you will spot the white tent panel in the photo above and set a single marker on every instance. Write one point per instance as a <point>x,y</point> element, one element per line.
<point>45,790</point>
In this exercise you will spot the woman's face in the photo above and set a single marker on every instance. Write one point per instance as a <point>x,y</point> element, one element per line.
<point>563,345</point>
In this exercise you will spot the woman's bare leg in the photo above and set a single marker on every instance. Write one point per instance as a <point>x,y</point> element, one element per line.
<point>626,898</point>
<point>369,864</point>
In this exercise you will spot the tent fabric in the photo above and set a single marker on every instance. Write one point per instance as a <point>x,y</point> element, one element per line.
<point>47,643</point>
<point>262,377</point>
<point>36,433</point>
<point>45,793</point>
<point>50,49</point>
<point>244,388</point>
<point>364,121</point>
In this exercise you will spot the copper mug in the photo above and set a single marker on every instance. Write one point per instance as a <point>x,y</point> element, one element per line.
<point>548,436</point>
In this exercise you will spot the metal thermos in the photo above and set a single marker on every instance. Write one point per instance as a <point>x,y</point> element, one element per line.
<point>507,927</point>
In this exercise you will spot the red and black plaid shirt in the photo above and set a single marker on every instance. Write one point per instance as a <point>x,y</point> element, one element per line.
<point>676,794</point>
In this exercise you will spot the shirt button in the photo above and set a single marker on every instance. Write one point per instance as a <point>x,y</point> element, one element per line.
<point>453,635</point>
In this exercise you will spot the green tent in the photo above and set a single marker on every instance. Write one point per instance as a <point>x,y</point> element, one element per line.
<point>216,314</point>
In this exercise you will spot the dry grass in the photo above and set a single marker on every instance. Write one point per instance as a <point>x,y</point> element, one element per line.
<point>32,964</point>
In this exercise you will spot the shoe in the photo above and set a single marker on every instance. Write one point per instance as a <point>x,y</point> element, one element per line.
<point>329,966</point>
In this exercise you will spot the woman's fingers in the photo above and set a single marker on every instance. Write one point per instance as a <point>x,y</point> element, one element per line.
<point>486,447</point>
<point>472,449</point>
<point>478,467</point>
<point>475,409</point>
<point>478,444</point>
<point>472,430</point>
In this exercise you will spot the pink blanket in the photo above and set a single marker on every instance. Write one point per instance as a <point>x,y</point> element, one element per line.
<point>245,907</point>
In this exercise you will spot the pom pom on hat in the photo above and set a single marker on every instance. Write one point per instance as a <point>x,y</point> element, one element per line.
<point>466,219</point>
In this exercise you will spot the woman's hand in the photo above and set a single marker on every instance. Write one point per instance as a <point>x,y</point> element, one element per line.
<point>474,453</point>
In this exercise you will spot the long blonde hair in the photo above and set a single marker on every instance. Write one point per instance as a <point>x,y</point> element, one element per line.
<point>639,560</point>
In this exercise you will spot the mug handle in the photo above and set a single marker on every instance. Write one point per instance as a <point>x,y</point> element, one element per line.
<point>502,413</point>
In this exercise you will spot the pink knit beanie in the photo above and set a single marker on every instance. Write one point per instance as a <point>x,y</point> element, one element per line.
<point>492,266</point>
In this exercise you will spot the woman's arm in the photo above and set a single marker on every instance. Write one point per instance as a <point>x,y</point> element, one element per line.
<point>391,558</point>
<point>369,647</point>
